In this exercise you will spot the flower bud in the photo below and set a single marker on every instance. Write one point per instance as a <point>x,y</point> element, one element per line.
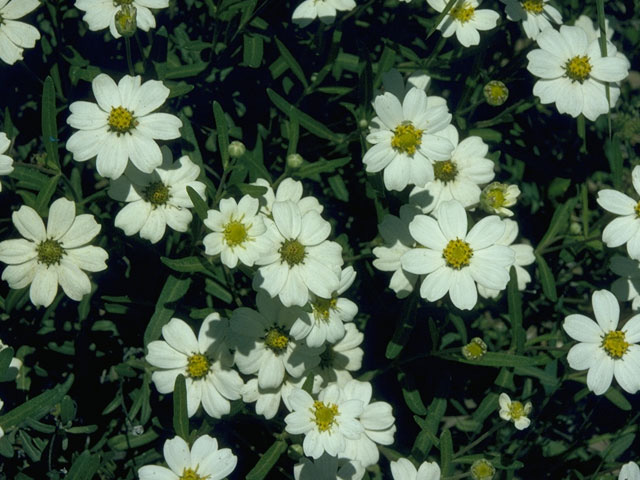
<point>126,22</point>
<point>236,149</point>
<point>294,160</point>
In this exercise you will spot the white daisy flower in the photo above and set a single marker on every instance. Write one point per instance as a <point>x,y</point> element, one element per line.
<point>203,461</point>
<point>6,162</point>
<point>157,199</point>
<point>524,257</point>
<point>338,360</point>
<point>625,228</point>
<point>325,10</point>
<point>238,232</point>
<point>268,399</point>
<point>496,196</point>
<point>405,138</point>
<point>11,373</point>
<point>300,259</point>
<point>204,361</point>
<point>403,469</point>
<point>626,288</point>
<point>100,14</point>
<point>16,36</point>
<point>376,419</point>
<point>454,260</point>
<point>328,468</point>
<point>458,177</point>
<point>121,127</point>
<point>288,189</point>
<point>326,423</point>
<point>265,345</point>
<point>603,349</point>
<point>393,82</point>
<point>572,72</point>
<point>398,240</point>
<point>535,15</point>
<point>54,255</point>
<point>464,19</point>
<point>629,471</point>
<point>325,322</point>
<point>514,411</point>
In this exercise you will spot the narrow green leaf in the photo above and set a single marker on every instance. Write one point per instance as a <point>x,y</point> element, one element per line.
<point>613,395</point>
<point>45,194</point>
<point>427,437</point>
<point>559,222</point>
<point>252,50</point>
<point>29,177</point>
<point>214,288</point>
<point>614,155</point>
<point>267,461</point>
<point>180,415</point>
<point>174,289</point>
<point>500,359</point>
<point>313,126</point>
<point>37,407</point>
<point>514,301</point>
<point>222,132</point>
<point>404,327</point>
<point>126,441</point>
<point>386,62</point>
<point>546,279</point>
<point>186,265</point>
<point>49,126</point>
<point>411,394</point>
<point>446,453</point>
<point>291,62</point>
<point>166,71</point>
<point>487,407</point>
<point>619,446</point>
<point>6,355</point>
<point>84,467</point>
<point>199,205</point>
<point>321,166</point>
<point>189,136</point>
<point>338,187</point>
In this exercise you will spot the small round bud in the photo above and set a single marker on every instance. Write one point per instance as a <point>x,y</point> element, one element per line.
<point>362,123</point>
<point>294,160</point>
<point>126,22</point>
<point>236,149</point>
<point>475,349</point>
<point>496,93</point>
<point>575,228</point>
<point>482,470</point>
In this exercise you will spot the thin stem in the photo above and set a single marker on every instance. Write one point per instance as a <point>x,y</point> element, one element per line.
<point>127,44</point>
<point>478,440</point>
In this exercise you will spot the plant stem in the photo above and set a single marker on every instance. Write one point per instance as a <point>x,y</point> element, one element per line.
<point>127,44</point>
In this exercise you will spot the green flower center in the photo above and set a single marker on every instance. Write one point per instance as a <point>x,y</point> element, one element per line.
<point>406,138</point>
<point>276,340</point>
<point>292,252</point>
<point>445,171</point>
<point>457,253</point>
<point>189,474</point>
<point>198,366</point>
<point>324,415</point>
<point>322,308</point>
<point>516,410</point>
<point>615,344</point>
<point>475,349</point>
<point>496,198</point>
<point>482,470</point>
<point>235,233</point>
<point>50,252</point>
<point>121,120</point>
<point>463,13</point>
<point>156,193</point>
<point>578,68</point>
<point>496,93</point>
<point>533,6</point>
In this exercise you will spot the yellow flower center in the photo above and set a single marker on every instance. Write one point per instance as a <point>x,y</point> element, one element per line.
<point>533,6</point>
<point>322,308</point>
<point>457,253</point>
<point>121,120</point>
<point>482,470</point>
<point>276,340</point>
<point>463,12</point>
<point>475,349</point>
<point>578,68</point>
<point>496,198</point>
<point>198,366</point>
<point>516,410</point>
<point>156,193</point>
<point>637,209</point>
<point>235,233</point>
<point>406,138</point>
<point>50,252</point>
<point>614,344</point>
<point>445,171</point>
<point>292,252</point>
<point>496,93</point>
<point>189,474</point>
<point>324,415</point>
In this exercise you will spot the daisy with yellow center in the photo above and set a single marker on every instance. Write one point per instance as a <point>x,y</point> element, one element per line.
<point>406,138</point>
<point>535,15</point>
<point>496,197</point>
<point>237,232</point>
<point>326,422</point>
<point>572,71</point>
<point>514,411</point>
<point>101,15</point>
<point>203,461</point>
<point>605,349</point>
<point>465,20</point>
<point>454,260</point>
<point>205,361</point>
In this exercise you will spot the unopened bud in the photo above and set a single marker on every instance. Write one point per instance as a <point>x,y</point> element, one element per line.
<point>126,22</point>
<point>236,149</point>
<point>496,93</point>
<point>294,160</point>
